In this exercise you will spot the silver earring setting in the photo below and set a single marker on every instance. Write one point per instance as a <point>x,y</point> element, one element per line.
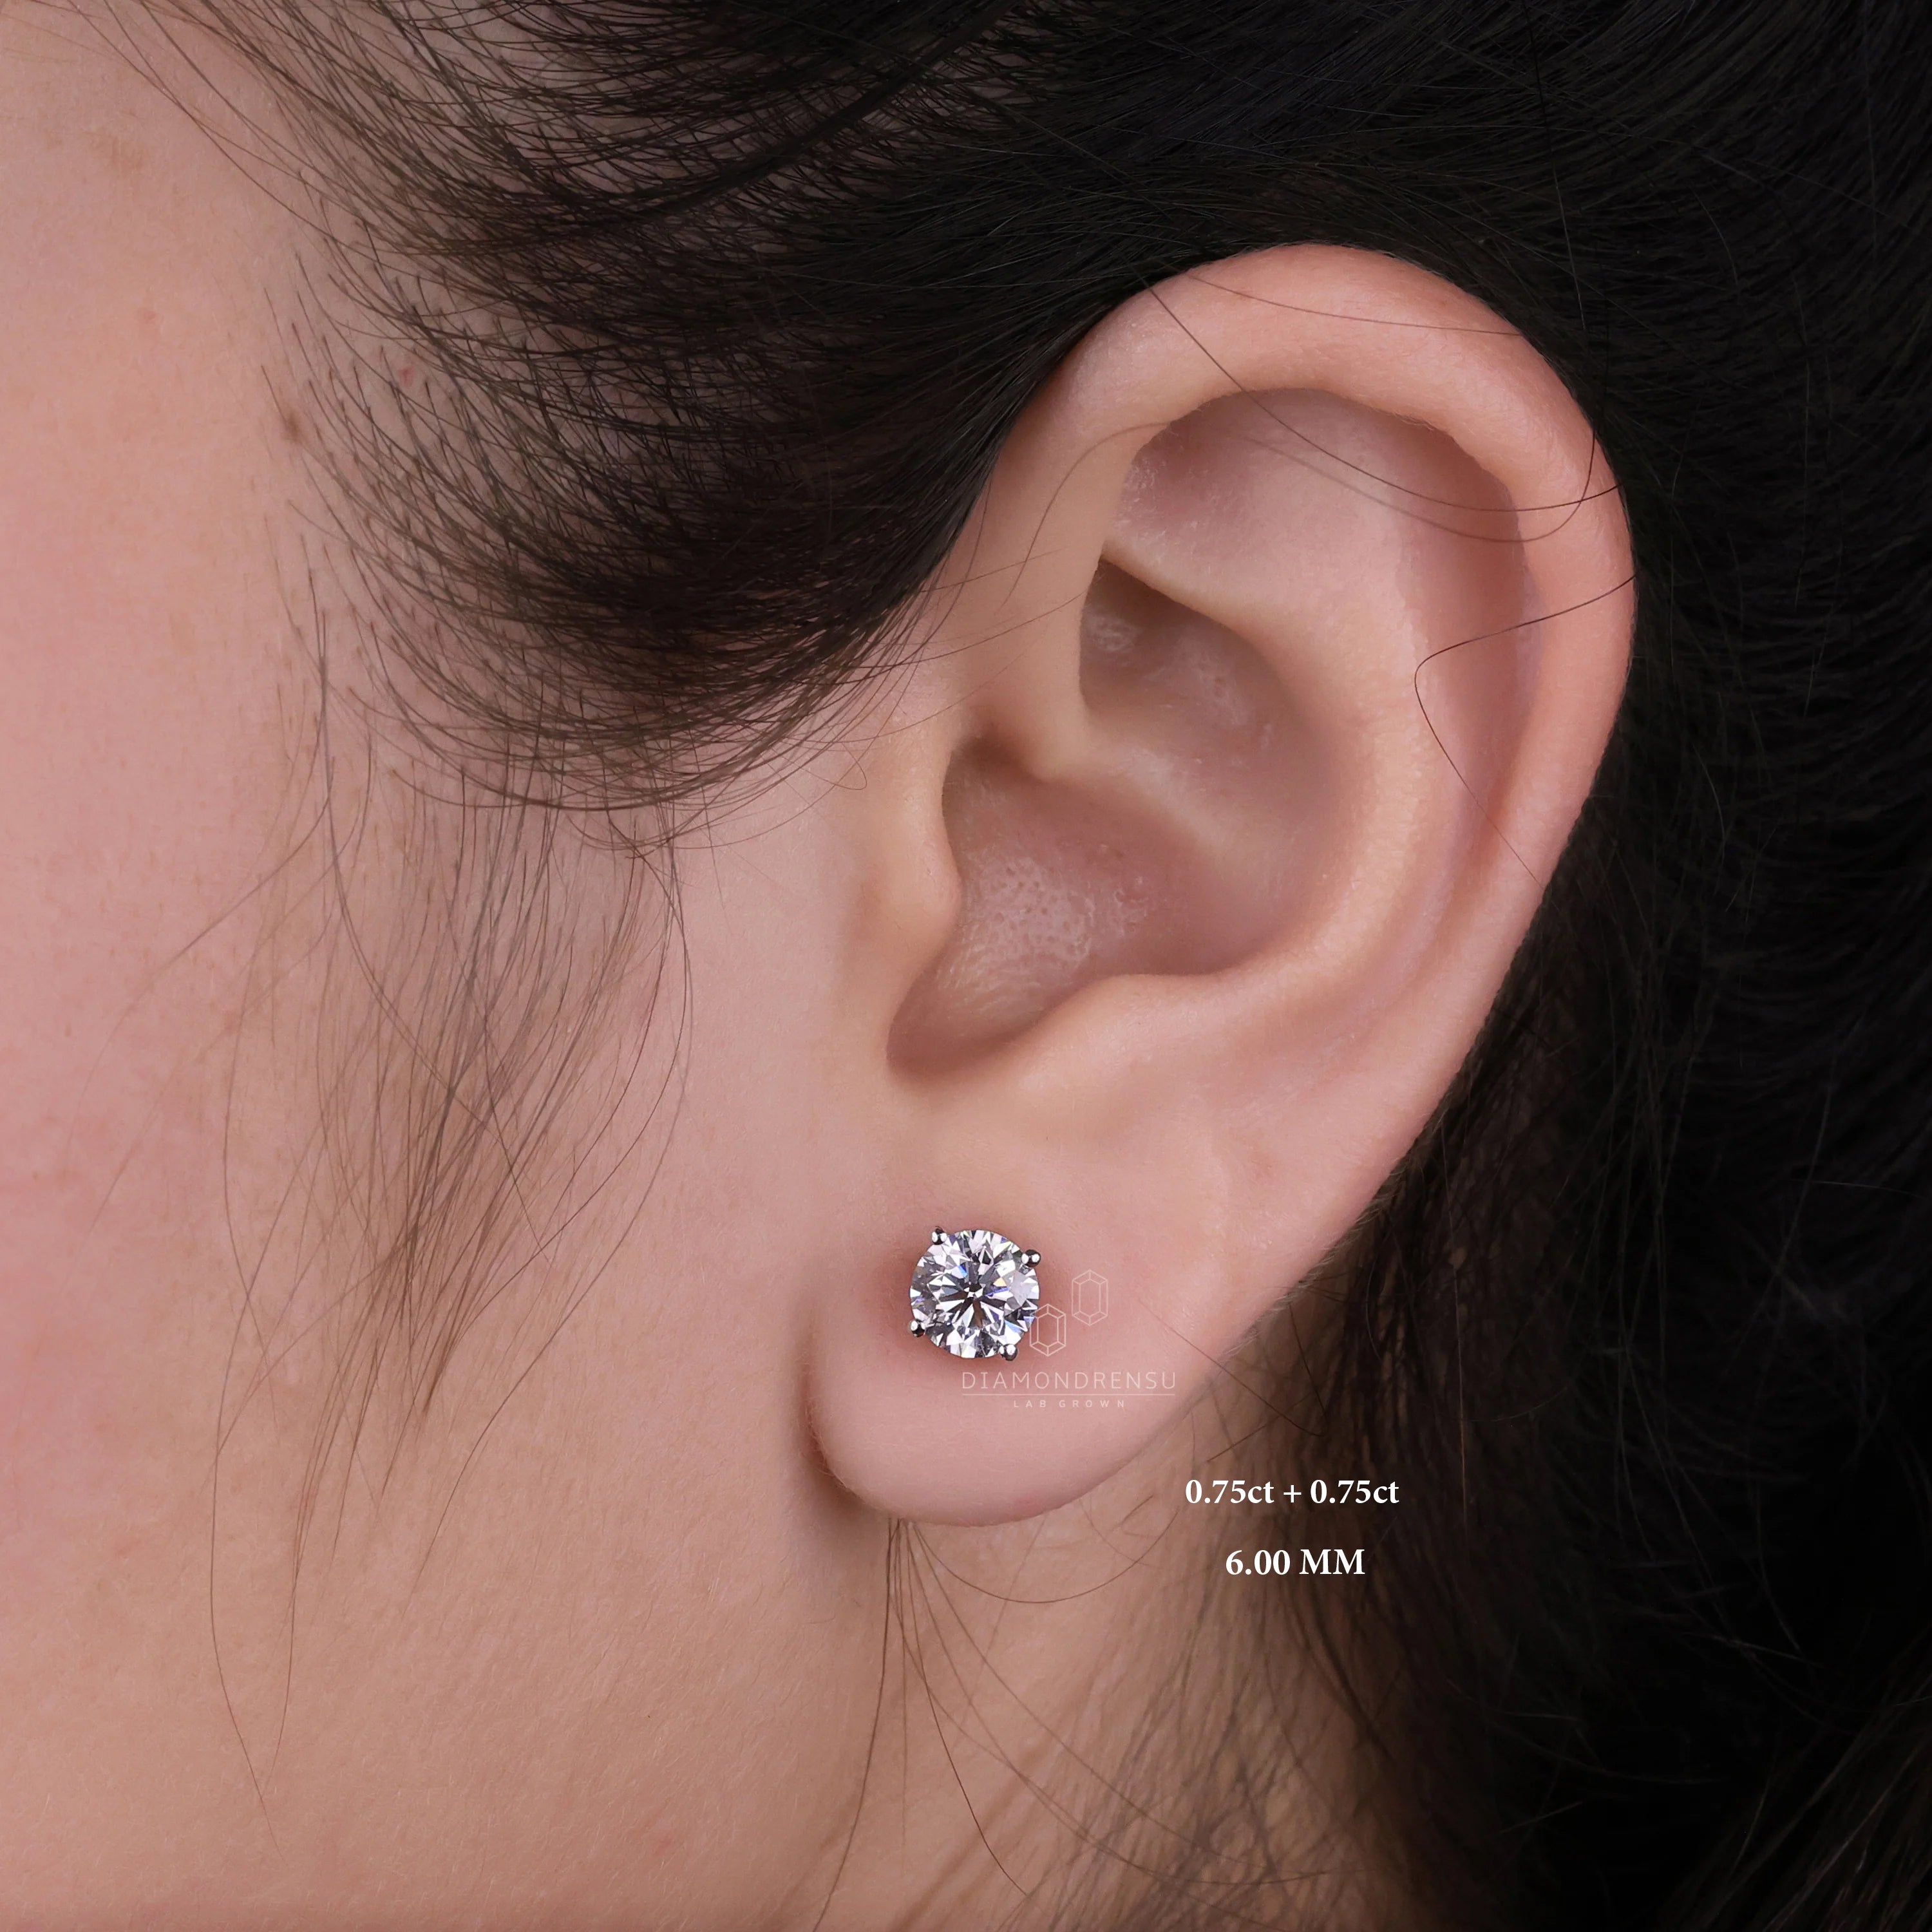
<point>975,1293</point>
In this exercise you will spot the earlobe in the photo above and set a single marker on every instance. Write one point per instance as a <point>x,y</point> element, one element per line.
<point>1295,623</point>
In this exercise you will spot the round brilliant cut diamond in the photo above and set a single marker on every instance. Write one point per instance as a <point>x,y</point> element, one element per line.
<point>975,1293</point>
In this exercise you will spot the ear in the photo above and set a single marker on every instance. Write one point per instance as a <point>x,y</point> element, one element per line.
<point>1258,706</point>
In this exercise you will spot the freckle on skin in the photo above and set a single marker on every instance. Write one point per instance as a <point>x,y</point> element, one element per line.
<point>122,156</point>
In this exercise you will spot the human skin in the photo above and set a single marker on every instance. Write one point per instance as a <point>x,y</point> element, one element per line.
<point>596,1631</point>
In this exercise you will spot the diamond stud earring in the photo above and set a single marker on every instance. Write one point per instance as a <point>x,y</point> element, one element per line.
<point>975,1293</point>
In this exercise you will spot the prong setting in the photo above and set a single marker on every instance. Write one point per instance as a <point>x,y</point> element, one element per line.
<point>974,1294</point>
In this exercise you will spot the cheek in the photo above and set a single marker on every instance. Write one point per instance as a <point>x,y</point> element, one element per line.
<point>146,674</point>
<point>133,837</point>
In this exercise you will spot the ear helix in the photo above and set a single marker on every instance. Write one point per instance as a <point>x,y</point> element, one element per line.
<point>975,1293</point>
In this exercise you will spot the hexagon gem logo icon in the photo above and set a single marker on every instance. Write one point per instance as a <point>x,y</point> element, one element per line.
<point>1048,1336</point>
<point>1090,1298</point>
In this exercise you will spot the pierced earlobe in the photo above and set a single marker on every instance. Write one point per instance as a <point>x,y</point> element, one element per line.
<point>975,1293</point>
